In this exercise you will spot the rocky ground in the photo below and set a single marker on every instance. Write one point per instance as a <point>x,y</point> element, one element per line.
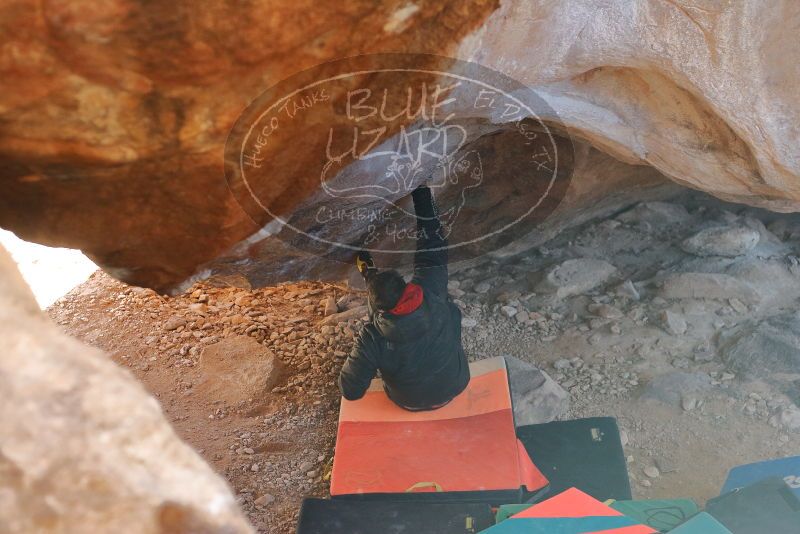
<point>676,317</point>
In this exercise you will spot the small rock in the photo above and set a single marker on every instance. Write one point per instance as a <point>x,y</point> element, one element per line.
<point>522,316</point>
<point>727,241</point>
<point>623,437</point>
<point>508,297</point>
<point>305,467</point>
<point>264,500</point>
<point>673,323</point>
<point>562,364</point>
<point>331,307</point>
<point>483,287</point>
<point>576,276</point>
<point>243,301</point>
<point>605,310</point>
<point>651,471</point>
<point>198,307</point>
<point>627,289</point>
<point>645,483</point>
<point>174,322</point>
<point>688,402</point>
<point>468,322</point>
<point>790,418</point>
<point>328,330</point>
<point>666,465</point>
<point>509,311</point>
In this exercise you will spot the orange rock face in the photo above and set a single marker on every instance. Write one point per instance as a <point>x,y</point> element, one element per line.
<point>114,114</point>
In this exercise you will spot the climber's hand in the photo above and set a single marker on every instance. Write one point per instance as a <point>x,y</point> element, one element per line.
<point>365,264</point>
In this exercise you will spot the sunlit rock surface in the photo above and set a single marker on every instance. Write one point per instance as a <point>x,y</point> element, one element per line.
<point>701,90</point>
<point>84,448</point>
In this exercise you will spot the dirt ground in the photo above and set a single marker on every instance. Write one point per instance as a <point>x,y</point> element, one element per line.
<point>658,361</point>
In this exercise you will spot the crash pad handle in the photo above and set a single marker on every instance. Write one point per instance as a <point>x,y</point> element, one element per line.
<point>422,485</point>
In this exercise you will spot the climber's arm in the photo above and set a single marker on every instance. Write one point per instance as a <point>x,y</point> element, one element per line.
<point>430,260</point>
<point>360,367</point>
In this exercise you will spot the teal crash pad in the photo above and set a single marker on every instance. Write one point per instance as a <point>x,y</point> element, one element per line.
<point>702,523</point>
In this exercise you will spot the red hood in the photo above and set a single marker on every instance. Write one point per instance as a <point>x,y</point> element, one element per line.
<point>409,301</point>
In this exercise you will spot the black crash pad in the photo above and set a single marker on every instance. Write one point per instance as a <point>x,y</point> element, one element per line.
<point>322,516</point>
<point>583,453</point>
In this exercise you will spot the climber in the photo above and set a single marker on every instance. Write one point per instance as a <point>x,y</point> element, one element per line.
<point>414,334</point>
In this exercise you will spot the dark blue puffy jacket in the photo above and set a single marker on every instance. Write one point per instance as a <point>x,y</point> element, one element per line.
<point>419,355</point>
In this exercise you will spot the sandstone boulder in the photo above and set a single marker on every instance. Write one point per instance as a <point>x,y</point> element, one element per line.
<point>238,370</point>
<point>764,349</point>
<point>671,388</point>
<point>576,276</point>
<point>708,286</point>
<point>711,84</point>
<point>84,448</point>
<point>115,117</point>
<point>132,104</point>
<point>728,241</point>
<point>537,398</point>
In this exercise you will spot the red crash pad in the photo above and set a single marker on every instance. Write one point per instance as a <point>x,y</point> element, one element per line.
<point>470,445</point>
